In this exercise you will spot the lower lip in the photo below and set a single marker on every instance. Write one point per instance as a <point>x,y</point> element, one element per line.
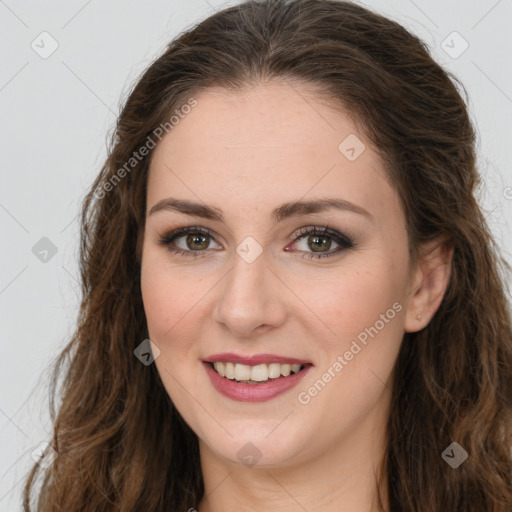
<point>253,392</point>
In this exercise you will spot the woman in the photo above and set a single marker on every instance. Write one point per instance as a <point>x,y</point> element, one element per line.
<point>291,299</point>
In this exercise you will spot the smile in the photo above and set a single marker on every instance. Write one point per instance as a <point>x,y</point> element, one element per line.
<point>256,382</point>
<point>255,374</point>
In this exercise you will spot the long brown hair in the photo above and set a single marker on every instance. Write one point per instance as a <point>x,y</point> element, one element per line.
<point>121,443</point>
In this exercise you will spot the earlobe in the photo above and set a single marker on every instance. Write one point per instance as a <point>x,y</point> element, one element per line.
<point>429,284</point>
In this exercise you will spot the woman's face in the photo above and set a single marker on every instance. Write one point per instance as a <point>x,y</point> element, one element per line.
<point>256,286</point>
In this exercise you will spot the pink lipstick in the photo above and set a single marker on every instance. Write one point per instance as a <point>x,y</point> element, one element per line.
<point>251,391</point>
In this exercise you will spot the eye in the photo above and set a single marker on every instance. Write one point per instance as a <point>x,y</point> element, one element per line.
<point>320,240</point>
<point>194,241</point>
<point>190,241</point>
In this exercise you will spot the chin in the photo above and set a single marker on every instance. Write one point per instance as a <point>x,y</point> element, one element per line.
<point>261,445</point>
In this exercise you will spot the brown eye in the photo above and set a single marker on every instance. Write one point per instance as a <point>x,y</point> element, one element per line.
<point>316,242</point>
<point>319,243</point>
<point>197,241</point>
<point>191,241</point>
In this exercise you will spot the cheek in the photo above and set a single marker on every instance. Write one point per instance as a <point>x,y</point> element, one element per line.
<point>168,295</point>
<point>346,305</point>
<point>170,305</point>
<point>363,308</point>
<point>157,297</point>
<point>175,308</point>
<point>364,311</point>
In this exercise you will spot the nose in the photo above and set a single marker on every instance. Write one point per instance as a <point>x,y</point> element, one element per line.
<point>250,298</point>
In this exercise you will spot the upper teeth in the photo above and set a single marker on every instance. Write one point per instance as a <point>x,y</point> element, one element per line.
<point>258,373</point>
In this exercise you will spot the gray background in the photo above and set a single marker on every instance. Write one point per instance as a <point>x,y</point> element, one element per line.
<point>57,112</point>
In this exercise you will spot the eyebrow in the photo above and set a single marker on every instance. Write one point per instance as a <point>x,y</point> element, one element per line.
<point>285,211</point>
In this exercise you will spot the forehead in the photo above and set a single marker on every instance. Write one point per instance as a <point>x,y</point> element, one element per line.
<point>263,145</point>
<point>263,120</point>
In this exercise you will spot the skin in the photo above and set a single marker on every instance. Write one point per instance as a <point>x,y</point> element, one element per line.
<point>246,153</point>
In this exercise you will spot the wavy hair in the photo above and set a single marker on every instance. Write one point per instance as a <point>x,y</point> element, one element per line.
<point>121,443</point>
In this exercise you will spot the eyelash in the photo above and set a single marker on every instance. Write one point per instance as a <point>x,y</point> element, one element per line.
<point>344,241</point>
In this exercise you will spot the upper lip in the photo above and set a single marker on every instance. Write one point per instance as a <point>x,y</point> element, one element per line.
<point>254,359</point>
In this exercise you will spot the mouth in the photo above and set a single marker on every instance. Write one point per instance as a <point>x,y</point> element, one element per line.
<point>257,374</point>
<point>257,382</point>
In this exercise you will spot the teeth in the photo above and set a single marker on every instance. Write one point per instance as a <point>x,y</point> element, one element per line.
<point>258,373</point>
<point>221,368</point>
<point>285,370</point>
<point>274,370</point>
<point>230,370</point>
<point>242,372</point>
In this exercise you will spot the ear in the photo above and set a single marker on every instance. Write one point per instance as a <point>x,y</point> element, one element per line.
<point>429,280</point>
